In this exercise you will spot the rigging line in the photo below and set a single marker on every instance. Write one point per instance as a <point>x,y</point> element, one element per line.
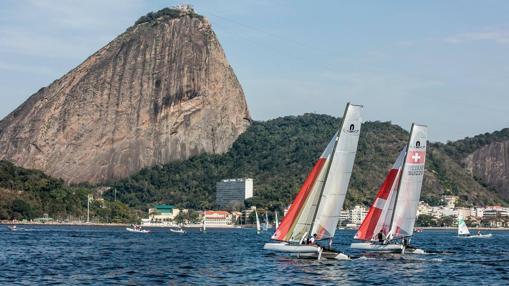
<point>275,36</point>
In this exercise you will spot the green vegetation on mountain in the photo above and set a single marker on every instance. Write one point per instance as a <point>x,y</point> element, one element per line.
<point>168,12</point>
<point>459,149</point>
<point>279,153</point>
<point>29,194</point>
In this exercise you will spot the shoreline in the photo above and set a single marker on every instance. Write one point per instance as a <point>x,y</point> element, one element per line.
<point>430,228</point>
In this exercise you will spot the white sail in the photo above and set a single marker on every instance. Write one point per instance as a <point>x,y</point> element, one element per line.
<point>409,190</point>
<point>258,228</point>
<point>338,174</point>
<point>462,227</point>
<point>266,227</point>
<point>276,221</point>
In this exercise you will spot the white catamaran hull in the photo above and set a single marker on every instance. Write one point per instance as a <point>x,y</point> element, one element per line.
<point>397,248</point>
<point>292,248</point>
<point>305,251</point>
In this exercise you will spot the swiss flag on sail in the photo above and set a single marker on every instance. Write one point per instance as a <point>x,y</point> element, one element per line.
<point>416,157</point>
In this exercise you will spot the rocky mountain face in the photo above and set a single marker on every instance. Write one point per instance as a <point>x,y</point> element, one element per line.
<point>161,91</point>
<point>485,158</point>
<point>490,165</point>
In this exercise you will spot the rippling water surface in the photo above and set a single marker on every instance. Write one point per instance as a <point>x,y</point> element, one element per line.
<point>110,255</point>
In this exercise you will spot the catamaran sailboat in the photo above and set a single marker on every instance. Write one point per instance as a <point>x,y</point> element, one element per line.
<point>389,224</point>
<point>464,233</point>
<point>314,213</point>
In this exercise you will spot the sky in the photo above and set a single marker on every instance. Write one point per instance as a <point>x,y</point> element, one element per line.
<point>440,63</point>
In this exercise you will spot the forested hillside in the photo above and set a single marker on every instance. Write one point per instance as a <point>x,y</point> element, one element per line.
<point>279,153</point>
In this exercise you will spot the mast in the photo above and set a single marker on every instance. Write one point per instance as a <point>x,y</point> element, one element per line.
<point>327,170</point>
<point>399,179</point>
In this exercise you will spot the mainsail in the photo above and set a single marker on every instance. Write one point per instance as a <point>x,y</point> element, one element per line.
<point>410,183</point>
<point>379,215</point>
<point>318,204</point>
<point>276,221</point>
<point>462,227</point>
<point>338,175</point>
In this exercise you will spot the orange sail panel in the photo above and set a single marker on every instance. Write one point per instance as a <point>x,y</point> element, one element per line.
<point>380,212</point>
<point>282,233</point>
<point>298,219</point>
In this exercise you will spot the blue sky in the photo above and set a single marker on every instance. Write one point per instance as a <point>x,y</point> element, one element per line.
<point>441,63</point>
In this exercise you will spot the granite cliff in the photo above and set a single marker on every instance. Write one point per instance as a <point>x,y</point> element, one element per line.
<point>161,91</point>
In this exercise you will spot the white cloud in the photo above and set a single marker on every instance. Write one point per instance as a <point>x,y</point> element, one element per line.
<point>497,36</point>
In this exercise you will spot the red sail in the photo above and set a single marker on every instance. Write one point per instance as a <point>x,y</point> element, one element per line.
<point>371,224</point>
<point>289,220</point>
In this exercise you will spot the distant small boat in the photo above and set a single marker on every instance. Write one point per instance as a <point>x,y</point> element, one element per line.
<point>463,231</point>
<point>418,230</point>
<point>137,229</point>
<point>258,228</point>
<point>12,227</point>
<point>177,230</point>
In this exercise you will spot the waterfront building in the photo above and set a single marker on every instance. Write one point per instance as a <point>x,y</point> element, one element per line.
<point>495,212</point>
<point>218,218</point>
<point>163,213</point>
<point>231,193</point>
<point>344,217</point>
<point>357,214</point>
<point>464,212</point>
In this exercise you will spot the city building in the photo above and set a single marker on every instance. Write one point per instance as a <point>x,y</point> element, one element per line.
<point>162,213</point>
<point>231,193</point>
<point>357,214</point>
<point>218,218</point>
<point>494,212</point>
<point>464,212</point>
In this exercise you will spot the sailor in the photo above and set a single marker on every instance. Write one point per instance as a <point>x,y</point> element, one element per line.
<point>312,239</point>
<point>380,237</point>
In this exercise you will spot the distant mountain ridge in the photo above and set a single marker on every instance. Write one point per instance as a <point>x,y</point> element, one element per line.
<point>161,91</point>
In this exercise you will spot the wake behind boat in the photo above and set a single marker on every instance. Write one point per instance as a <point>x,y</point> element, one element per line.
<point>314,213</point>
<point>389,224</point>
